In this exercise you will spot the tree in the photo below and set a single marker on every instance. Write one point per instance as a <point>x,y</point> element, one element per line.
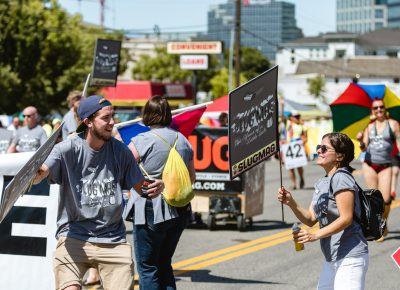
<point>219,83</point>
<point>44,54</point>
<point>164,67</point>
<point>253,62</point>
<point>316,87</point>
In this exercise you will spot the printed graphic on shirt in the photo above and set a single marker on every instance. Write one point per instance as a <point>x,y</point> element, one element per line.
<point>97,192</point>
<point>376,141</point>
<point>27,144</point>
<point>321,208</point>
<point>4,145</point>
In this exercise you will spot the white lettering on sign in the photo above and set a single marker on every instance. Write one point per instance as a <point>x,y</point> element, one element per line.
<point>175,91</point>
<point>208,47</point>
<point>194,62</point>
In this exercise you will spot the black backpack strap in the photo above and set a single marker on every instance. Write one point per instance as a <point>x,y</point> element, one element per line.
<point>355,217</point>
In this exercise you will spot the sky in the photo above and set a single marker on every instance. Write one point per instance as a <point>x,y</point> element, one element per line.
<point>313,16</point>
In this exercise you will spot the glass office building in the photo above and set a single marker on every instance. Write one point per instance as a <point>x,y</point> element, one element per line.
<point>361,16</point>
<point>265,24</point>
<point>393,13</point>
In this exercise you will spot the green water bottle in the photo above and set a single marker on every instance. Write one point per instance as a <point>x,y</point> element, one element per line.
<point>298,246</point>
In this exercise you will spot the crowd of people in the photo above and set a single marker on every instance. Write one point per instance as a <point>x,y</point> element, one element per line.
<point>93,170</point>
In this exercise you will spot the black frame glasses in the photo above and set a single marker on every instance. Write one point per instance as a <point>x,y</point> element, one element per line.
<point>378,107</point>
<point>323,148</point>
<point>28,116</point>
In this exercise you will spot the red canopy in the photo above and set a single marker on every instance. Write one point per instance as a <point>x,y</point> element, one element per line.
<point>219,105</point>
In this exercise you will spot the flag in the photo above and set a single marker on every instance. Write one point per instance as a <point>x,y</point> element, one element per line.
<point>184,122</point>
<point>130,131</point>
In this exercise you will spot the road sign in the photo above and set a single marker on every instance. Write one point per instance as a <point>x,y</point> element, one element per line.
<point>253,122</point>
<point>294,154</point>
<point>396,257</point>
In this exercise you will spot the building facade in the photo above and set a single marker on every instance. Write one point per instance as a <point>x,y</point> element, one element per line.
<point>393,13</point>
<point>265,24</point>
<point>361,16</point>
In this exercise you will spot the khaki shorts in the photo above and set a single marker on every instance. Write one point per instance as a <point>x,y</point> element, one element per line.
<point>73,257</point>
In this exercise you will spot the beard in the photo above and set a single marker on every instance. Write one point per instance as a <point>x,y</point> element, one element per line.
<point>105,136</point>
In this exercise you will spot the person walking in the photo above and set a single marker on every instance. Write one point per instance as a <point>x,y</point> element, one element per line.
<point>92,169</point>
<point>29,137</point>
<point>377,141</point>
<point>71,118</point>
<point>334,203</point>
<point>296,131</point>
<point>157,225</point>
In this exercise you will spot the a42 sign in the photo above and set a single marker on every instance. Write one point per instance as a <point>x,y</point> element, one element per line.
<point>294,154</point>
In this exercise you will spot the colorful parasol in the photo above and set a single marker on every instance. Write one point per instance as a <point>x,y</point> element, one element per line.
<point>351,110</point>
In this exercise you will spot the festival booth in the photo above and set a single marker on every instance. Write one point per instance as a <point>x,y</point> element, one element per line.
<point>136,93</point>
<point>27,234</point>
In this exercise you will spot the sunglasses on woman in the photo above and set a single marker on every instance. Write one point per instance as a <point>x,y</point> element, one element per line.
<point>324,148</point>
<point>378,107</point>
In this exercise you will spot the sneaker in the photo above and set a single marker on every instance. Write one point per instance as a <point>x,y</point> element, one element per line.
<point>302,184</point>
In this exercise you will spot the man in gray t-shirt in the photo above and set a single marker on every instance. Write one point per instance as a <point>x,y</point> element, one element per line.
<point>71,117</point>
<point>30,137</point>
<point>5,139</point>
<point>92,169</point>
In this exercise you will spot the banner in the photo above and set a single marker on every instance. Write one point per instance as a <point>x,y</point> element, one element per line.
<point>106,63</point>
<point>210,149</point>
<point>253,122</point>
<point>27,234</point>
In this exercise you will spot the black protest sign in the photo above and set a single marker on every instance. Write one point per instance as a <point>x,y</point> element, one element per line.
<point>253,122</point>
<point>105,63</point>
<point>21,182</point>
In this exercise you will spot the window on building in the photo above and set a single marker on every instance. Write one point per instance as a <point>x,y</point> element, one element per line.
<point>292,60</point>
<point>391,53</point>
<point>379,13</point>
<point>340,53</point>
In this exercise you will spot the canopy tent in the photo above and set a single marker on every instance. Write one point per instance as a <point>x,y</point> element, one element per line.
<point>307,111</point>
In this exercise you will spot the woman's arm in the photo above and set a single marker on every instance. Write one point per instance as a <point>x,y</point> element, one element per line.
<point>192,171</point>
<point>132,147</point>
<point>395,128</point>
<point>345,204</point>
<point>306,216</point>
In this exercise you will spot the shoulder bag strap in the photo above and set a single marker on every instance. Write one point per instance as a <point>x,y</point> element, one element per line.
<point>165,141</point>
<point>355,217</point>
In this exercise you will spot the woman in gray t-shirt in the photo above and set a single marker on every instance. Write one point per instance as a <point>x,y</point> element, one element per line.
<point>333,205</point>
<point>157,225</point>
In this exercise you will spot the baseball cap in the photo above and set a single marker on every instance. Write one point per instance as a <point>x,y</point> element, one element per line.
<point>294,113</point>
<point>88,107</point>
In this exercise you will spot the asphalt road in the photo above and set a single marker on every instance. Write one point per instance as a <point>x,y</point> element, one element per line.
<point>263,257</point>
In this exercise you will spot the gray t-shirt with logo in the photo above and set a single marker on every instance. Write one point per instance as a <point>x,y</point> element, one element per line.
<point>29,139</point>
<point>349,242</point>
<point>70,124</point>
<point>5,139</point>
<point>91,201</point>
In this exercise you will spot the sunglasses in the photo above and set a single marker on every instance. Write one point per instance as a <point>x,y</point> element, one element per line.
<point>324,148</point>
<point>27,116</point>
<point>378,107</point>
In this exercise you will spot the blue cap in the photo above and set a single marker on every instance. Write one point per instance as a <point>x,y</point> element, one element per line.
<point>88,107</point>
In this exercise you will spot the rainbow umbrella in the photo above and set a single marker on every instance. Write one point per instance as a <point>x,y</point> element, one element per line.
<point>352,109</point>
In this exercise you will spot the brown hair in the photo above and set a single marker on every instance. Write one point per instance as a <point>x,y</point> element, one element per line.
<point>157,112</point>
<point>342,145</point>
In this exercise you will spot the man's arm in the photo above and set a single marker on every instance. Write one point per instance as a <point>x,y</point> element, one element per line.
<point>12,148</point>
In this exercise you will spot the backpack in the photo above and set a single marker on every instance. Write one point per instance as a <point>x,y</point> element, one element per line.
<point>178,191</point>
<point>372,207</point>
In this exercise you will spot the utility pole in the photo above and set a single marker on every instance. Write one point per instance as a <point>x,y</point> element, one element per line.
<point>237,42</point>
<point>102,8</point>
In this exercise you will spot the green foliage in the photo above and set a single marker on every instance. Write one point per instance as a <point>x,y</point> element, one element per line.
<point>44,54</point>
<point>253,62</point>
<point>220,83</point>
<point>316,87</point>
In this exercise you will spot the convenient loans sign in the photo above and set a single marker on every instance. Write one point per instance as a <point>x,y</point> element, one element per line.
<point>194,62</point>
<point>253,119</point>
<point>195,47</point>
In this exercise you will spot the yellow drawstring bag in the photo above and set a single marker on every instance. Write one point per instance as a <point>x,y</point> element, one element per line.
<point>178,189</point>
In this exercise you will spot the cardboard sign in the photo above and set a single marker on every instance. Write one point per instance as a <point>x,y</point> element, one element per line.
<point>210,150</point>
<point>22,180</point>
<point>294,154</point>
<point>396,257</point>
<point>253,122</point>
<point>106,63</point>
<point>28,232</point>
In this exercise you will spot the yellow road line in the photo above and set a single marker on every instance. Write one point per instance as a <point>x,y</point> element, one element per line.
<point>232,252</point>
